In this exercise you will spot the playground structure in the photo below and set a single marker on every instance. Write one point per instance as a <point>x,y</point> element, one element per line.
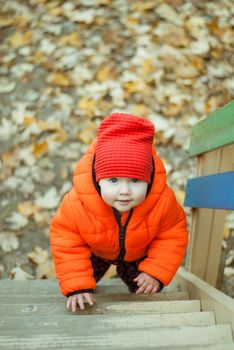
<point>190,313</point>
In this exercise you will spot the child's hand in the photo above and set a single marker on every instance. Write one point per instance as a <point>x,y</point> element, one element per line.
<point>80,299</point>
<point>146,283</point>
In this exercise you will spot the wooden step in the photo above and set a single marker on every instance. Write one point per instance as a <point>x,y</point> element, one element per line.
<point>218,334</point>
<point>51,287</point>
<point>121,297</point>
<point>108,322</point>
<point>141,307</point>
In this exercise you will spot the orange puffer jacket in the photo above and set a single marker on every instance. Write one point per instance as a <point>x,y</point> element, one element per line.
<point>85,224</point>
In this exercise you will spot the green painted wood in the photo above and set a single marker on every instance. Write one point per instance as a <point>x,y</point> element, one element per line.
<point>128,308</point>
<point>218,334</point>
<point>50,323</point>
<point>217,130</point>
<point>121,297</point>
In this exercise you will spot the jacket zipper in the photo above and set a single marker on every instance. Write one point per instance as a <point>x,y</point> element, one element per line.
<point>122,230</point>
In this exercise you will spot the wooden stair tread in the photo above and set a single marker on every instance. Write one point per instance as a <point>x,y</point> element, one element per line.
<point>217,334</point>
<point>102,308</point>
<point>51,287</point>
<point>121,297</point>
<point>17,323</point>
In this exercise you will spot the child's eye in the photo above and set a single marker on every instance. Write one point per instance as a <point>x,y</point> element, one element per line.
<point>135,180</point>
<point>113,180</point>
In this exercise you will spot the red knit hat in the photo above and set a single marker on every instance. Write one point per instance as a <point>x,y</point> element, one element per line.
<point>124,147</point>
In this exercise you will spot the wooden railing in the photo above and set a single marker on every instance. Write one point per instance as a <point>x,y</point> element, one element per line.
<point>211,193</point>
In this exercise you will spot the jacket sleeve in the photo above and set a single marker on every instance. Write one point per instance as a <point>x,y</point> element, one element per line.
<point>70,252</point>
<point>166,251</point>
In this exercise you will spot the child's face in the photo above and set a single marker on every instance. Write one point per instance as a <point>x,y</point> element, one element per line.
<point>123,193</point>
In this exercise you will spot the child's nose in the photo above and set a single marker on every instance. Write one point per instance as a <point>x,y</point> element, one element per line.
<point>124,189</point>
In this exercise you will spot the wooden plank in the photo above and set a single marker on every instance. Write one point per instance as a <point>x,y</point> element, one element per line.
<point>155,347</point>
<point>215,131</point>
<point>122,297</point>
<point>50,323</point>
<point>129,308</point>
<point>106,340</point>
<point>50,287</point>
<point>203,253</point>
<point>211,298</point>
<point>211,191</point>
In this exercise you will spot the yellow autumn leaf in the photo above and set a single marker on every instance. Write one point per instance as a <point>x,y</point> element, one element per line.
<point>38,57</point>
<point>134,86</point>
<point>38,256</point>
<point>59,136</point>
<point>148,67</point>
<point>88,134</point>
<point>142,6</point>
<point>197,62</point>
<point>28,120</point>
<point>180,196</point>
<point>40,148</point>
<point>132,20</point>
<point>102,2</point>
<point>21,21</point>
<point>140,110</point>
<point>105,73</point>
<point>46,270</point>
<point>27,208</point>
<point>20,39</point>
<point>58,11</point>
<point>6,21</point>
<point>49,126</point>
<point>88,105</point>
<point>60,79</point>
<point>226,232</point>
<point>172,109</point>
<point>72,39</point>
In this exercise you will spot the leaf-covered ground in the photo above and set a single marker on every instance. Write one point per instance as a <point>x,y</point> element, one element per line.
<point>67,64</point>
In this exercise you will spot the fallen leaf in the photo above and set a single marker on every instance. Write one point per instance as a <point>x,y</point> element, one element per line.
<point>17,273</point>
<point>46,270</point>
<point>88,105</point>
<point>8,242</point>
<point>16,221</point>
<point>6,20</point>
<point>49,201</point>
<point>72,39</point>
<point>105,73</point>
<point>19,39</point>
<point>38,256</point>
<point>87,134</point>
<point>60,79</point>
<point>27,208</point>
<point>40,148</point>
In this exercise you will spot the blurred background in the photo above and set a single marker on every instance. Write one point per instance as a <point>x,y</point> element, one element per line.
<point>65,65</point>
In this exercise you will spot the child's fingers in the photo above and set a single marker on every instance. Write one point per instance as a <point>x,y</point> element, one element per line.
<point>80,301</point>
<point>89,299</point>
<point>73,303</point>
<point>148,289</point>
<point>154,290</point>
<point>142,288</point>
<point>68,303</point>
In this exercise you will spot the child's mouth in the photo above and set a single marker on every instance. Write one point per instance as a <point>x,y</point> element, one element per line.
<point>124,202</point>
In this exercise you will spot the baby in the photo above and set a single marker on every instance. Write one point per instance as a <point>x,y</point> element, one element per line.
<point>119,211</point>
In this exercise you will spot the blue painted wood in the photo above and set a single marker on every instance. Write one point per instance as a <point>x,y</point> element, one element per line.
<point>212,191</point>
